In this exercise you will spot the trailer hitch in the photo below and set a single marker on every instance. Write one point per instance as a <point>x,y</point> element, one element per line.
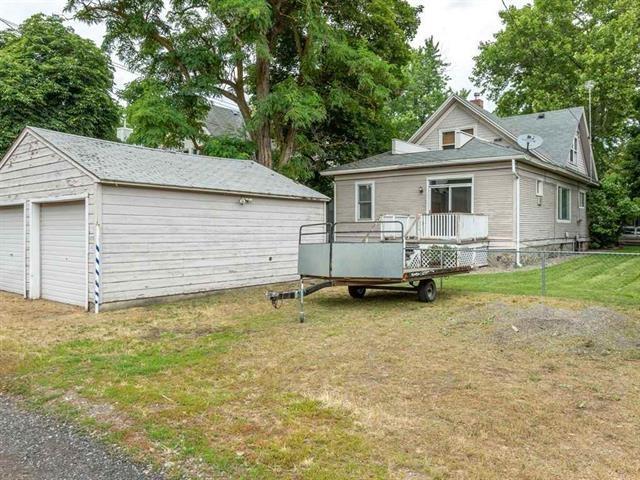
<point>277,297</point>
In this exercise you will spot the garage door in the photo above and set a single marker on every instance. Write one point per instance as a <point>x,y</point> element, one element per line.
<point>12,249</point>
<point>63,263</point>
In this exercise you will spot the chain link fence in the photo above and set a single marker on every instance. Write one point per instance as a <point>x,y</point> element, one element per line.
<point>610,277</point>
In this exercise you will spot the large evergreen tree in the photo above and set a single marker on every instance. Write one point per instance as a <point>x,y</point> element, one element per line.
<point>426,89</point>
<point>305,74</point>
<point>50,77</point>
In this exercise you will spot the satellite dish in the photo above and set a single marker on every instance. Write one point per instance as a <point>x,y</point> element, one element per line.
<point>529,141</point>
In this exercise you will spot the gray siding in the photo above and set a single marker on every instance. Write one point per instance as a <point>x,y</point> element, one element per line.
<point>457,117</point>
<point>538,222</point>
<point>159,242</point>
<point>35,171</point>
<point>398,193</point>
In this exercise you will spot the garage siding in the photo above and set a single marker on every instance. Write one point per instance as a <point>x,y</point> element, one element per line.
<point>35,171</point>
<point>12,249</point>
<point>160,242</point>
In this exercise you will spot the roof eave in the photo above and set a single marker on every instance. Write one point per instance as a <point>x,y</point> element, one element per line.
<point>120,183</point>
<point>330,173</point>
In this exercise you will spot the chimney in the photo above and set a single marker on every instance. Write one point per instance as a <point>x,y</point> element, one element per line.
<point>477,101</point>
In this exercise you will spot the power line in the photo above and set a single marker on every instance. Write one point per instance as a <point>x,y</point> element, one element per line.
<point>11,25</point>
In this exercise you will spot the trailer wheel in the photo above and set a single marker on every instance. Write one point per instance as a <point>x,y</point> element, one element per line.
<point>427,290</point>
<point>357,292</point>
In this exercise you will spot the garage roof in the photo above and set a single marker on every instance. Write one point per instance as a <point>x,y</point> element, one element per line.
<point>113,162</point>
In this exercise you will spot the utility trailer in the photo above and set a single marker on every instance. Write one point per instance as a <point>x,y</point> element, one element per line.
<point>372,255</point>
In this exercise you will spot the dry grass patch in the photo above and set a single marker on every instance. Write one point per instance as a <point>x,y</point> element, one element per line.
<point>473,386</point>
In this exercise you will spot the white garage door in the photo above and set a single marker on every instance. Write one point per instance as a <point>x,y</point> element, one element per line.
<point>63,261</point>
<point>12,249</point>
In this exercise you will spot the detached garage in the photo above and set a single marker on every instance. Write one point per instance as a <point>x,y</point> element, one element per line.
<point>164,224</point>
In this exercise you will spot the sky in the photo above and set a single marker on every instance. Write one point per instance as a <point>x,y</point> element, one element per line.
<point>458,25</point>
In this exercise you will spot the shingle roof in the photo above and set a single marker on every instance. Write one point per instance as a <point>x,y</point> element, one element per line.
<point>224,121</point>
<point>119,162</point>
<point>557,129</point>
<point>473,149</point>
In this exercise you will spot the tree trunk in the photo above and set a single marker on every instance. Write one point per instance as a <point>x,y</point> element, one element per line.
<point>263,131</point>
<point>288,146</point>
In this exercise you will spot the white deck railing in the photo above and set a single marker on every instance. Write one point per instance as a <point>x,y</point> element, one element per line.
<point>451,227</point>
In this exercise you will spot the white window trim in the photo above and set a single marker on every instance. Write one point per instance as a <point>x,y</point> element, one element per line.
<point>575,152</point>
<point>539,193</point>
<point>580,193</point>
<point>558,187</point>
<point>373,201</point>
<point>447,177</point>
<point>456,129</point>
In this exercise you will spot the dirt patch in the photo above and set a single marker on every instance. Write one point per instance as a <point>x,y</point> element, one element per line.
<point>591,329</point>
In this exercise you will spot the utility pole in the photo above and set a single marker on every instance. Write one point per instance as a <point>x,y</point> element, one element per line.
<point>589,86</point>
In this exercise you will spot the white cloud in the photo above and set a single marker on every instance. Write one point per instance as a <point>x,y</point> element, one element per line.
<point>459,26</point>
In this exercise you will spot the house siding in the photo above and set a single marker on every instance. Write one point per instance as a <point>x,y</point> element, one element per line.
<point>158,243</point>
<point>398,193</point>
<point>538,222</point>
<point>35,171</point>
<point>457,117</point>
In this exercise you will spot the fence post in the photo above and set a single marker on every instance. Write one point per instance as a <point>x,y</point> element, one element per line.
<point>543,274</point>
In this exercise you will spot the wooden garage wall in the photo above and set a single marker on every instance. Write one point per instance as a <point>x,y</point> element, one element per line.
<point>35,171</point>
<point>158,243</point>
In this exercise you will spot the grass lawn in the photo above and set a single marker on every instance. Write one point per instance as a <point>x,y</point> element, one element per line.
<point>476,385</point>
<point>612,279</point>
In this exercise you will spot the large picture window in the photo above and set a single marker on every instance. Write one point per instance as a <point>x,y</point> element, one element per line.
<point>564,204</point>
<point>364,201</point>
<point>451,195</point>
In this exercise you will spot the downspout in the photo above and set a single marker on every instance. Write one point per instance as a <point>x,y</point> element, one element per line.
<point>517,180</point>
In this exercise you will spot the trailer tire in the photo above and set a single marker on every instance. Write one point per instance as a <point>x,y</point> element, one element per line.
<point>356,291</point>
<point>427,291</point>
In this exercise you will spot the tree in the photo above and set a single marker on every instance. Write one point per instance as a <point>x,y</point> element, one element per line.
<point>541,60</point>
<point>546,52</point>
<point>425,91</point>
<point>228,146</point>
<point>289,65</point>
<point>158,117</point>
<point>52,78</point>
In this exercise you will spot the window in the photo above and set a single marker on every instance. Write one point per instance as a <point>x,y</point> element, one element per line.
<point>539,188</point>
<point>364,201</point>
<point>582,199</point>
<point>448,138</point>
<point>451,195</point>
<point>573,156</point>
<point>564,204</point>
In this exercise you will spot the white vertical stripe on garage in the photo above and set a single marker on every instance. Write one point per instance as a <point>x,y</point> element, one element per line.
<point>12,249</point>
<point>63,261</point>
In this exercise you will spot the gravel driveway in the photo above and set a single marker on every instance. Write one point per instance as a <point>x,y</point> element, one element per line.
<point>37,447</point>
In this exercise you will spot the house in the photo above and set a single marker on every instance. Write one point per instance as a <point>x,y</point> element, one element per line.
<point>463,179</point>
<point>164,224</point>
